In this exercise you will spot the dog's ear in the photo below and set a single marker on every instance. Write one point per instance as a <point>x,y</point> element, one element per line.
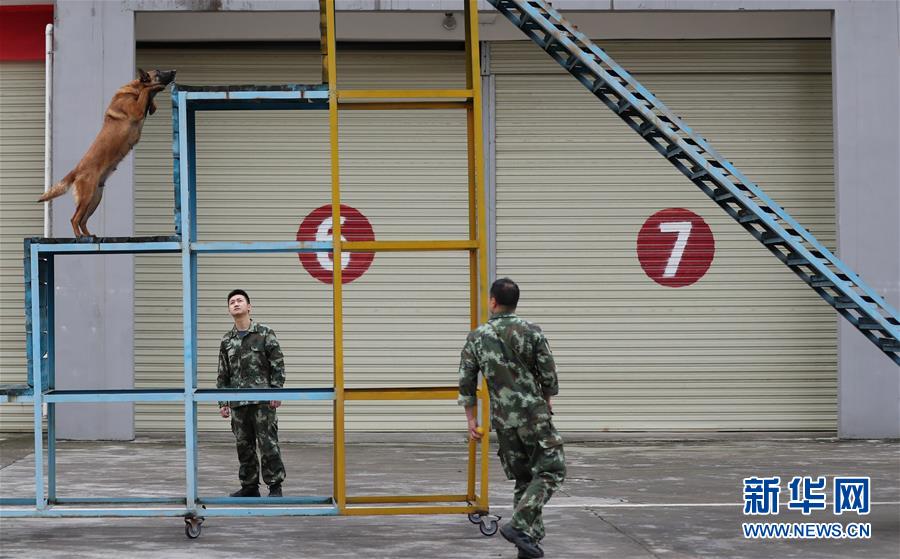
<point>144,76</point>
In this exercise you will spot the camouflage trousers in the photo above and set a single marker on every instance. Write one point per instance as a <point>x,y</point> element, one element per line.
<point>533,456</point>
<point>252,425</point>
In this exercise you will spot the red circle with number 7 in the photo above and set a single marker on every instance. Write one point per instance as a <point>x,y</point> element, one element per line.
<point>675,247</point>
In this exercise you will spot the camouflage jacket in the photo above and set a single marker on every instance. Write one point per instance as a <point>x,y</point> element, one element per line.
<point>254,361</point>
<point>515,358</point>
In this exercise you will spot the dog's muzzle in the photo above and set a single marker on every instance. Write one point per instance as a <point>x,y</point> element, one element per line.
<point>165,77</point>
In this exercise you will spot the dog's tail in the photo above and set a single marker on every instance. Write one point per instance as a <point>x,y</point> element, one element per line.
<point>59,188</point>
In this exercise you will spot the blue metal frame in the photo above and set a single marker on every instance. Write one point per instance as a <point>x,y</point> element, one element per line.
<point>48,315</point>
<point>39,307</point>
<point>37,377</point>
<point>65,512</point>
<point>277,246</point>
<point>107,396</point>
<point>186,124</point>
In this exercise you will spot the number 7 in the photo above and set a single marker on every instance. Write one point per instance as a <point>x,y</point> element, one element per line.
<point>683,228</point>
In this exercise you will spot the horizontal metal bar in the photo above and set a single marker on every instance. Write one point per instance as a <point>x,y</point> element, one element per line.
<point>399,106</point>
<point>449,509</point>
<point>96,248</point>
<point>258,105</point>
<point>57,512</point>
<point>375,499</point>
<point>299,500</point>
<point>228,95</point>
<point>403,94</point>
<point>10,501</point>
<point>65,512</point>
<point>177,394</point>
<point>136,395</point>
<point>270,511</point>
<point>254,95</point>
<point>117,501</point>
<point>229,394</point>
<point>317,95</point>
<point>274,246</point>
<point>412,246</point>
<point>426,393</point>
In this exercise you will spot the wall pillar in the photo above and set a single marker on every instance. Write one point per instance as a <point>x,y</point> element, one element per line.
<point>866,78</point>
<point>94,46</point>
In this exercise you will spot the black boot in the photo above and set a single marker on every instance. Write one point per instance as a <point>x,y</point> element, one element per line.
<point>275,490</point>
<point>247,491</point>
<point>528,548</point>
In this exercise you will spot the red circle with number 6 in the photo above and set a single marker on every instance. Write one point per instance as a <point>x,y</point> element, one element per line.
<point>675,247</point>
<point>317,226</point>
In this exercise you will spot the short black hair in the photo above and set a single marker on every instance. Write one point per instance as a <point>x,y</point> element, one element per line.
<point>237,292</point>
<point>505,292</point>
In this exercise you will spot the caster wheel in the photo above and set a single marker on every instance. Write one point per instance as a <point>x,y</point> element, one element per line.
<point>489,527</point>
<point>192,527</point>
<point>474,518</point>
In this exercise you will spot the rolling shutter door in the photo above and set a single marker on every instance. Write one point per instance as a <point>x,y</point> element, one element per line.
<point>21,182</point>
<point>748,346</point>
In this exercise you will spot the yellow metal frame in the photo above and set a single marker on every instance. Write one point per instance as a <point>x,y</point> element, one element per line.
<point>418,94</point>
<point>476,245</point>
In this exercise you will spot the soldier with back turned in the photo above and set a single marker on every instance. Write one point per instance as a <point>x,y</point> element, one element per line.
<point>515,359</point>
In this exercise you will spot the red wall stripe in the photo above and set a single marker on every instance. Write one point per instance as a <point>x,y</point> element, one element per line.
<point>22,31</point>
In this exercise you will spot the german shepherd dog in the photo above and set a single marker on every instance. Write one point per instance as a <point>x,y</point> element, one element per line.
<point>122,124</point>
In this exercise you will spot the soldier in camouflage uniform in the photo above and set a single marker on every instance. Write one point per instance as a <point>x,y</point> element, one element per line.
<point>250,357</point>
<point>515,359</point>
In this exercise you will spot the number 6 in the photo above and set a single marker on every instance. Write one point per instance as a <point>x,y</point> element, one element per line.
<point>325,234</point>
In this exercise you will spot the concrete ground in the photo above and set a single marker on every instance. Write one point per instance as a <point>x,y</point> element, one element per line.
<point>645,496</point>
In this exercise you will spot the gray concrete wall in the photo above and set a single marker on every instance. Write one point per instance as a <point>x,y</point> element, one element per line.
<point>426,26</point>
<point>866,59</point>
<point>94,43</point>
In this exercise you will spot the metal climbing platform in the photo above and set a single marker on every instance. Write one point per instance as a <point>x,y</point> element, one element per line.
<point>472,497</point>
<point>717,177</point>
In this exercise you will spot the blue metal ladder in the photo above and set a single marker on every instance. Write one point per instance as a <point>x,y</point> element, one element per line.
<point>717,177</point>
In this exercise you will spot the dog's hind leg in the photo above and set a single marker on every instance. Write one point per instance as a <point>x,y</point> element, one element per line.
<point>83,194</point>
<point>91,208</point>
<point>81,207</point>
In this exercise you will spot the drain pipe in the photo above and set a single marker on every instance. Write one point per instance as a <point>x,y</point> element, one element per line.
<point>48,123</point>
